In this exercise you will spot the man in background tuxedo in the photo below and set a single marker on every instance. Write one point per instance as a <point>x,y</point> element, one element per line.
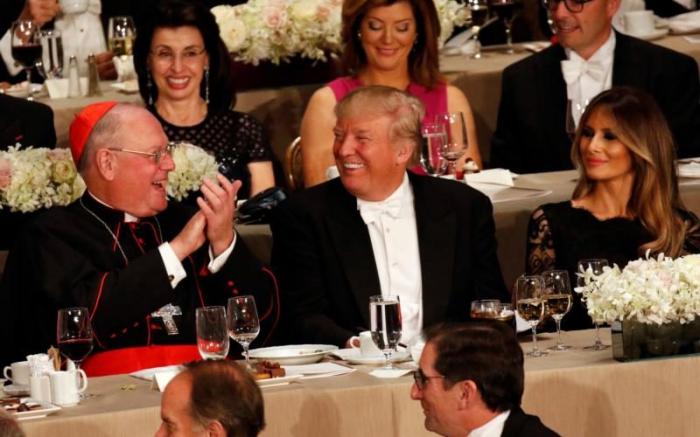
<point>378,229</point>
<point>25,122</point>
<point>470,381</point>
<point>544,95</point>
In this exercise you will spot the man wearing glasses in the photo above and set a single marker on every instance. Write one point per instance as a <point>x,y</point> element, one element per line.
<point>544,95</point>
<point>140,265</point>
<point>470,382</point>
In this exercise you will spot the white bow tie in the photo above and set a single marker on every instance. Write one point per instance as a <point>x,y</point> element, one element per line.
<point>574,69</point>
<point>371,212</point>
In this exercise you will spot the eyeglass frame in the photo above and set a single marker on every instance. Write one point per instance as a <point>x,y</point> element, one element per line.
<point>187,55</point>
<point>552,4</point>
<point>421,379</point>
<point>157,156</point>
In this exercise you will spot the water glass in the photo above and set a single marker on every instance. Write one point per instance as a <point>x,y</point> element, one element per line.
<point>52,53</point>
<point>457,142</point>
<point>594,266</point>
<point>529,303</point>
<point>243,323</point>
<point>434,140</point>
<point>385,324</point>
<point>558,300</point>
<point>212,332</point>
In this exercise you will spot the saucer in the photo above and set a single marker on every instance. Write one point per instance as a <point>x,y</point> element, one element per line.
<point>16,390</point>
<point>655,34</point>
<point>353,356</point>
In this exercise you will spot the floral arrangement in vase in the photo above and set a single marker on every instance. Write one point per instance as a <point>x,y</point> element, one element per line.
<point>277,30</point>
<point>192,165</point>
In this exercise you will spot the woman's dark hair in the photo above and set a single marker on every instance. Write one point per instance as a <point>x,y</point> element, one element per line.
<point>423,61</point>
<point>179,13</point>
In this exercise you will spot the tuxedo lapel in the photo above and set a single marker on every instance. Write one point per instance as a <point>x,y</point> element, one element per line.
<point>354,248</point>
<point>437,225</point>
<point>551,94</point>
<point>628,69</point>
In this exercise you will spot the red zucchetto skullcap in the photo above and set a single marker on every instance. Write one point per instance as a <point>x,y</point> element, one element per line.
<point>82,126</point>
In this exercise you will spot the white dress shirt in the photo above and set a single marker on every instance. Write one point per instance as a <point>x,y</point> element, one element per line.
<point>586,79</point>
<point>392,230</point>
<point>492,428</point>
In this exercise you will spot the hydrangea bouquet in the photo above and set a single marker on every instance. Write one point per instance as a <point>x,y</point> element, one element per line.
<point>276,30</point>
<point>35,178</point>
<point>649,290</point>
<point>192,165</point>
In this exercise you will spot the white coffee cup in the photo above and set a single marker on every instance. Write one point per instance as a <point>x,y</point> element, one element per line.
<point>367,346</point>
<point>65,391</point>
<point>74,6</point>
<point>639,22</point>
<point>17,372</point>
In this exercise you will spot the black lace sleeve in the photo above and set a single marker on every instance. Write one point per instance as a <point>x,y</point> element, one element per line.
<point>256,144</point>
<point>540,245</point>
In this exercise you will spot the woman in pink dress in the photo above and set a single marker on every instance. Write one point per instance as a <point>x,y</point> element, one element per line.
<point>391,43</point>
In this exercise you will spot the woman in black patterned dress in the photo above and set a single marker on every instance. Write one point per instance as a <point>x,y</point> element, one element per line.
<point>626,201</point>
<point>184,77</point>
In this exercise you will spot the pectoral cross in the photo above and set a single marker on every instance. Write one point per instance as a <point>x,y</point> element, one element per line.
<point>166,313</point>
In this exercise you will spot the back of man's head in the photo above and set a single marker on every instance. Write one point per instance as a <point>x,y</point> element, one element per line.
<point>486,352</point>
<point>9,426</point>
<point>223,391</point>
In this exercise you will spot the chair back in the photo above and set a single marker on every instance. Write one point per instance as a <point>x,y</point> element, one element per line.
<point>292,165</point>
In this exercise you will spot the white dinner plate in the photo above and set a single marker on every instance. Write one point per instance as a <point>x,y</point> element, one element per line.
<point>16,390</point>
<point>44,410</point>
<point>353,356</point>
<point>293,354</point>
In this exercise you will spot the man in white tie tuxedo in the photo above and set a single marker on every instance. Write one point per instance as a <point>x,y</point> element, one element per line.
<point>379,229</point>
<point>544,95</point>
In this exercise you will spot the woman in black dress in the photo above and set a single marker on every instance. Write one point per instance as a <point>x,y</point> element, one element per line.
<point>184,73</point>
<point>626,201</point>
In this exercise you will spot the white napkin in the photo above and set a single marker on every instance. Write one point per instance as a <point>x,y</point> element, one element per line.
<point>685,23</point>
<point>39,364</point>
<point>491,181</point>
<point>318,370</point>
<point>689,169</point>
<point>389,373</point>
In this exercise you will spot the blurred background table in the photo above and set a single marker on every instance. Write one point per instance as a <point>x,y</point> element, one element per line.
<point>577,393</point>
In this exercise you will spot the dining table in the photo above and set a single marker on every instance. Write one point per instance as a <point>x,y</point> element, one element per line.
<point>575,392</point>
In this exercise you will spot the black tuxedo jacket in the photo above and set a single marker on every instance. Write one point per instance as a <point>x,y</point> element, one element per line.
<point>530,134</point>
<point>323,256</point>
<point>520,424</point>
<point>28,123</point>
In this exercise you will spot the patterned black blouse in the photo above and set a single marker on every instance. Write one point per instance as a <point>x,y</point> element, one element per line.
<point>559,235</point>
<point>236,139</point>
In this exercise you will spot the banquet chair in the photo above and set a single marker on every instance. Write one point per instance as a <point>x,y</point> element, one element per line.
<point>292,165</point>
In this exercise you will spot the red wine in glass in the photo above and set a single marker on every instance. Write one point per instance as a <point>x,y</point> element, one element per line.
<point>75,349</point>
<point>74,333</point>
<point>480,13</point>
<point>27,55</point>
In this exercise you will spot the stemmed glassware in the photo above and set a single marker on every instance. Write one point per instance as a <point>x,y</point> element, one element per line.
<point>243,323</point>
<point>121,34</point>
<point>74,333</point>
<point>212,332</point>
<point>434,140</point>
<point>26,48</point>
<point>594,266</point>
<point>559,299</point>
<point>385,324</point>
<point>457,142</point>
<point>530,304</point>
<point>506,10</point>
<point>52,54</point>
<point>480,14</point>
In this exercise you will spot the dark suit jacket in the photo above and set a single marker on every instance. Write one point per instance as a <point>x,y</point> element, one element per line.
<point>324,260</point>
<point>520,424</point>
<point>28,123</point>
<point>530,134</point>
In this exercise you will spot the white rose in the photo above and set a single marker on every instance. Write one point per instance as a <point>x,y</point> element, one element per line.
<point>233,33</point>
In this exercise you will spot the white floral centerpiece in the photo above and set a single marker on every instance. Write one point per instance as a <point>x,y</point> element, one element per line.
<point>35,178</point>
<point>650,290</point>
<point>192,165</point>
<point>277,30</point>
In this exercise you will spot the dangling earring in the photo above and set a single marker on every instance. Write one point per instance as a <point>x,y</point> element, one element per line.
<point>359,35</point>
<point>149,85</point>
<point>206,85</point>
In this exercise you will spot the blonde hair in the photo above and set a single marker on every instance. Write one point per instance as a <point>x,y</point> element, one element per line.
<point>654,200</point>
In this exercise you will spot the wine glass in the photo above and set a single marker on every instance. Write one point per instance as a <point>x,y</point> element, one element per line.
<point>434,139</point>
<point>74,333</point>
<point>243,323</point>
<point>594,266</point>
<point>480,14</point>
<point>485,309</point>
<point>52,53</point>
<point>558,299</point>
<point>26,48</point>
<point>385,324</point>
<point>529,302</point>
<point>121,34</point>
<point>456,144</point>
<point>506,10</point>
<point>212,332</point>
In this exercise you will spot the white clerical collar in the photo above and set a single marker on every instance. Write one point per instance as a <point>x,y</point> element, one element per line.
<point>128,218</point>
<point>604,53</point>
<point>402,195</point>
<point>492,428</point>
